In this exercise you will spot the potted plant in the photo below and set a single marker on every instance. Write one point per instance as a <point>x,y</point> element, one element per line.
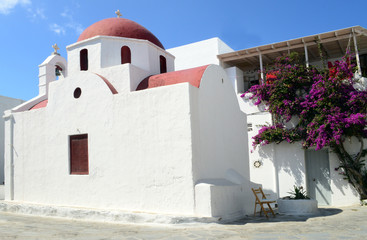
<point>298,203</point>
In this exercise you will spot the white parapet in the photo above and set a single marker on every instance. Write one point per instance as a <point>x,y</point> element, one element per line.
<point>219,197</point>
<point>297,206</point>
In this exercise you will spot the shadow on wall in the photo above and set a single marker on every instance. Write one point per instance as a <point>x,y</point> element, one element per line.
<point>290,158</point>
<point>289,161</point>
<point>2,195</point>
<point>286,157</point>
<point>352,146</point>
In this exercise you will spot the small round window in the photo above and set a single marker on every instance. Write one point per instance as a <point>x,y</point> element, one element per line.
<point>77,92</point>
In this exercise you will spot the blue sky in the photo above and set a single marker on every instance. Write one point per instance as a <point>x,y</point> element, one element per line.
<point>30,27</point>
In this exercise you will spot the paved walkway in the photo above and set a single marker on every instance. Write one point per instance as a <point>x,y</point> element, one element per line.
<point>332,223</point>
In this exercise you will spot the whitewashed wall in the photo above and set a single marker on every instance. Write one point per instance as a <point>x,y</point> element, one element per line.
<point>6,103</point>
<point>105,52</point>
<point>283,165</point>
<point>343,193</point>
<point>266,173</point>
<point>133,163</point>
<point>220,146</point>
<point>290,167</point>
<point>156,150</point>
<point>199,53</point>
<point>236,77</point>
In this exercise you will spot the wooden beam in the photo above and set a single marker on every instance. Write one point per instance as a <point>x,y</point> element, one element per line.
<point>261,67</point>
<point>306,53</point>
<point>267,58</point>
<point>357,54</point>
<point>339,44</point>
<point>360,32</point>
<point>233,56</point>
<point>250,62</point>
<point>254,61</point>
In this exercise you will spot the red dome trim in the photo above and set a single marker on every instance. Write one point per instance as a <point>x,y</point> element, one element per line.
<point>192,76</point>
<point>109,85</point>
<point>41,104</point>
<point>119,27</point>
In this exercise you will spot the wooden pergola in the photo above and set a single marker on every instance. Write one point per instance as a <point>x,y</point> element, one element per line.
<point>333,44</point>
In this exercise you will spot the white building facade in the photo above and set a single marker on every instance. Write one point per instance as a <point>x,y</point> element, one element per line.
<point>125,124</point>
<point>6,103</point>
<point>120,129</point>
<point>280,167</point>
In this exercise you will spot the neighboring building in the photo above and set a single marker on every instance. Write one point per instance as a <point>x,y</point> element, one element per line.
<point>120,129</point>
<point>6,103</point>
<point>284,165</point>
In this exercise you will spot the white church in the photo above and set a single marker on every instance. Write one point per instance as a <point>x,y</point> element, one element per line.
<point>120,129</point>
<point>125,124</point>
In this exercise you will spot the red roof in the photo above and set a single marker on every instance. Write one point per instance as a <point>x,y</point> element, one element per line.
<point>192,76</point>
<point>41,104</point>
<point>109,85</point>
<point>119,27</point>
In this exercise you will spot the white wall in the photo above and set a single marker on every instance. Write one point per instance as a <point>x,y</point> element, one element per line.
<point>283,166</point>
<point>247,106</point>
<point>199,53</point>
<point>147,149</point>
<point>104,52</point>
<point>133,163</point>
<point>222,127</point>
<point>266,173</point>
<point>220,149</point>
<point>93,46</point>
<point>343,193</point>
<point>236,76</point>
<point>290,166</point>
<point>6,103</point>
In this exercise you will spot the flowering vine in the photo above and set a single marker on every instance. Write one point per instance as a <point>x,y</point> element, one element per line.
<point>329,108</point>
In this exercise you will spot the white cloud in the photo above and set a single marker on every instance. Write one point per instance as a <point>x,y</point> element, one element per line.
<point>7,5</point>
<point>66,14</point>
<point>37,13</point>
<point>77,27</point>
<point>70,22</point>
<point>57,29</point>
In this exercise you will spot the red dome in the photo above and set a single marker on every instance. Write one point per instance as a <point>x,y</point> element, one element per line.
<point>119,27</point>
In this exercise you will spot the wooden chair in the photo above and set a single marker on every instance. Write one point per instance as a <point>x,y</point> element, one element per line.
<point>261,200</point>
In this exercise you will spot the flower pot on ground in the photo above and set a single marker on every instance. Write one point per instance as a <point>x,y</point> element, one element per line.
<point>297,207</point>
<point>297,204</point>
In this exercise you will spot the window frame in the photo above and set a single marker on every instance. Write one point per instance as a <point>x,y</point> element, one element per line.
<point>74,163</point>
<point>162,64</point>
<point>83,57</point>
<point>125,54</point>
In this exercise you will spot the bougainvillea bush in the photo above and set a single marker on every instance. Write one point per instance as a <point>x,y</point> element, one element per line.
<point>329,108</point>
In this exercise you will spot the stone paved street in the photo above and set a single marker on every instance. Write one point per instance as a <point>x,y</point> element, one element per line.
<point>332,223</point>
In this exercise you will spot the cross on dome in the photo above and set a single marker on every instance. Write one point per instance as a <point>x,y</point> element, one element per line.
<point>118,13</point>
<point>55,47</point>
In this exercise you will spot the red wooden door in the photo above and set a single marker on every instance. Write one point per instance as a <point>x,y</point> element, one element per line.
<point>79,154</point>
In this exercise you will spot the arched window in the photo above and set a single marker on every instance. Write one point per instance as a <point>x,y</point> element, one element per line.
<point>163,64</point>
<point>125,55</point>
<point>84,60</point>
